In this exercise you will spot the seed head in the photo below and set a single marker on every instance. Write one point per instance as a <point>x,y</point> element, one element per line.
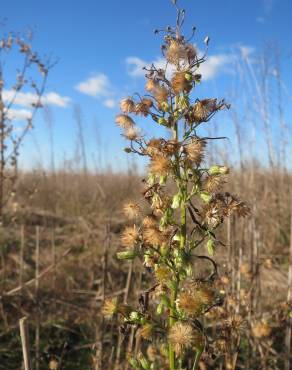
<point>110,307</point>
<point>213,183</point>
<point>154,236</point>
<point>151,85</point>
<point>183,336</point>
<point>195,150</point>
<point>160,165</point>
<point>127,105</point>
<point>190,303</point>
<point>124,121</point>
<point>146,331</point>
<point>203,108</point>
<point>179,83</point>
<point>149,221</point>
<point>129,236</point>
<point>132,210</point>
<point>132,133</point>
<point>261,329</point>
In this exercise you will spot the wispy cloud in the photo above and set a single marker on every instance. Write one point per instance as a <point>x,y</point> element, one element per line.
<point>28,99</point>
<point>213,65</point>
<point>19,114</point>
<point>98,86</point>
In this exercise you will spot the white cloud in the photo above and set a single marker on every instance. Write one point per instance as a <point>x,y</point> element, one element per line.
<point>19,114</point>
<point>209,69</point>
<point>98,86</point>
<point>95,86</point>
<point>109,103</point>
<point>27,99</point>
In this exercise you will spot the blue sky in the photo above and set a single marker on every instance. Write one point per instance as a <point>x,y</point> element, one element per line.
<point>101,46</point>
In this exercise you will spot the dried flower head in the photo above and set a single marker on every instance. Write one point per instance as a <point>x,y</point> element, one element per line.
<point>129,236</point>
<point>124,121</point>
<point>154,147</point>
<point>110,307</point>
<point>160,94</point>
<point>154,236</point>
<point>132,133</point>
<point>183,336</point>
<point>149,221</point>
<point>143,107</point>
<point>195,150</point>
<point>127,105</point>
<point>213,215</point>
<point>190,303</point>
<point>151,85</point>
<point>203,108</point>
<point>146,331</point>
<point>213,183</point>
<point>180,83</point>
<point>160,165</point>
<point>261,329</point>
<point>132,210</point>
<point>177,51</point>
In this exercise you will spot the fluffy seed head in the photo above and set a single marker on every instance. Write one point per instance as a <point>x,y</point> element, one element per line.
<point>110,307</point>
<point>149,221</point>
<point>179,83</point>
<point>129,236</point>
<point>151,85</point>
<point>132,210</point>
<point>154,236</point>
<point>190,303</point>
<point>183,336</point>
<point>195,150</point>
<point>161,94</point>
<point>146,331</point>
<point>143,107</point>
<point>160,165</point>
<point>203,108</point>
<point>124,121</point>
<point>213,183</point>
<point>261,329</point>
<point>132,133</point>
<point>127,105</point>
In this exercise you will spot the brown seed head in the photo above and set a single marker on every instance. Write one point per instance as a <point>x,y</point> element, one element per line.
<point>203,108</point>
<point>261,329</point>
<point>124,121</point>
<point>149,221</point>
<point>127,105</point>
<point>161,94</point>
<point>160,165</point>
<point>154,236</point>
<point>129,236</point>
<point>183,336</point>
<point>146,331</point>
<point>190,303</point>
<point>132,210</point>
<point>110,307</point>
<point>132,133</point>
<point>213,183</point>
<point>195,150</point>
<point>179,83</point>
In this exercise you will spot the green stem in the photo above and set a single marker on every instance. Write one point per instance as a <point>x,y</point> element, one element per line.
<point>197,359</point>
<point>171,353</point>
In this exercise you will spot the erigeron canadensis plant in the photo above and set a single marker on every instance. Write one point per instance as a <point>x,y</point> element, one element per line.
<point>173,311</point>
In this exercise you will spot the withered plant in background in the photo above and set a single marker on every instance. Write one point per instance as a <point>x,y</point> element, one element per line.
<point>25,90</point>
<point>184,207</point>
